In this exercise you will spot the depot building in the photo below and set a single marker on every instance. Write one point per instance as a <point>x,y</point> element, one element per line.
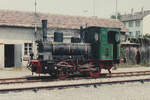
<point>19,31</point>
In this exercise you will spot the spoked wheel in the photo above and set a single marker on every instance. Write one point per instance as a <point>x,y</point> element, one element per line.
<point>97,72</point>
<point>54,73</point>
<point>63,69</point>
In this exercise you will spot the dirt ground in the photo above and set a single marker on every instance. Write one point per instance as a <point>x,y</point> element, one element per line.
<point>128,91</point>
<point>134,91</point>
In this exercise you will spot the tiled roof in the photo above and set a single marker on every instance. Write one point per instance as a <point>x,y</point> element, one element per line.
<point>135,16</point>
<point>27,19</point>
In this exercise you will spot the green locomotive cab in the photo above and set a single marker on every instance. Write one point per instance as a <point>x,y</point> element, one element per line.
<point>105,43</point>
<point>109,48</point>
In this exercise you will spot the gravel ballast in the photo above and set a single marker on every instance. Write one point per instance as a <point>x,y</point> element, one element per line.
<point>127,91</point>
<point>134,91</point>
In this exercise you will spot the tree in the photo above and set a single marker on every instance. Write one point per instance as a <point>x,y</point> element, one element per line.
<point>118,16</point>
<point>146,35</point>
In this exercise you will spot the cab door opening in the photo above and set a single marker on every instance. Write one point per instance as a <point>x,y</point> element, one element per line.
<point>112,40</point>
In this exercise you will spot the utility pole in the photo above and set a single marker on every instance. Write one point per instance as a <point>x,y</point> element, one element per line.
<point>35,28</point>
<point>93,8</point>
<point>35,15</point>
<point>116,9</point>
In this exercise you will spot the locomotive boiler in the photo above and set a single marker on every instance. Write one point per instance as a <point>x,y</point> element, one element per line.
<point>97,48</point>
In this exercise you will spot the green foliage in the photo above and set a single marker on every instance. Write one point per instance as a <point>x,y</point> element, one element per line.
<point>114,16</point>
<point>146,36</point>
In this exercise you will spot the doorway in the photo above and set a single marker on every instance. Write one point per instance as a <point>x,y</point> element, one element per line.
<point>112,40</point>
<point>9,55</point>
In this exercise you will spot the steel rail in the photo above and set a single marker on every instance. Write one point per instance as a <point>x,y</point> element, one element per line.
<point>72,85</point>
<point>48,79</point>
<point>127,74</point>
<point>6,79</point>
<point>131,72</point>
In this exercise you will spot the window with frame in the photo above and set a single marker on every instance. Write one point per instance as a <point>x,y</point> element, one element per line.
<point>106,52</point>
<point>137,23</point>
<point>130,23</point>
<point>28,47</point>
<point>137,33</point>
<point>130,33</point>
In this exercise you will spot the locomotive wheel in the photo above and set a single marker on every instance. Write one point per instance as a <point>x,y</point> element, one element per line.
<point>63,69</point>
<point>54,73</point>
<point>96,74</point>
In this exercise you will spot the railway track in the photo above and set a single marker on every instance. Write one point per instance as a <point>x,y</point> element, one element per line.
<point>47,79</point>
<point>72,85</point>
<point>25,80</point>
<point>127,74</point>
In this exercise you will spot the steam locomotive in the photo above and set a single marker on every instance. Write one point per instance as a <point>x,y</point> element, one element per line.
<point>97,48</point>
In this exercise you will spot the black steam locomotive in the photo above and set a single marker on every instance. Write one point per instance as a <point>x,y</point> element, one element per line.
<point>97,48</point>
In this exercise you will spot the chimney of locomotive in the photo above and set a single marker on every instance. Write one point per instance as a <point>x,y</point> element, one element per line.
<point>44,30</point>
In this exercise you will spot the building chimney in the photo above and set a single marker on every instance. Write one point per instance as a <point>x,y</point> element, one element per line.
<point>132,11</point>
<point>142,10</point>
<point>44,30</point>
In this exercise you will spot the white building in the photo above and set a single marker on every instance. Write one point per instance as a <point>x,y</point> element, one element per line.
<point>17,32</point>
<point>137,23</point>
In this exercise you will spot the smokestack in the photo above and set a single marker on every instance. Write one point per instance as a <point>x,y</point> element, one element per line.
<point>44,29</point>
<point>132,11</point>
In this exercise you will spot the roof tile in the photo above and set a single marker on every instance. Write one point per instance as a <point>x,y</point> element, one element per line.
<point>28,19</point>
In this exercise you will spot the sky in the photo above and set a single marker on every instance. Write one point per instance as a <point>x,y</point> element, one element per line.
<point>103,8</point>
